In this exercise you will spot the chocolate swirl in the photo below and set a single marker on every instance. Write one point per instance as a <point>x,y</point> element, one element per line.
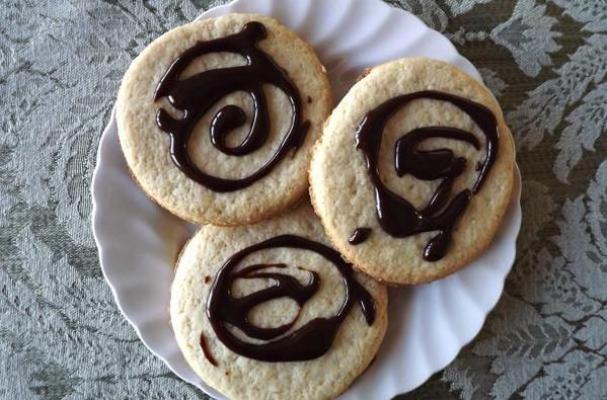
<point>311,340</point>
<point>398,217</point>
<point>195,96</point>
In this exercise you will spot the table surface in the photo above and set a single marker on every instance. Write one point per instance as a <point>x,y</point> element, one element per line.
<point>61,335</point>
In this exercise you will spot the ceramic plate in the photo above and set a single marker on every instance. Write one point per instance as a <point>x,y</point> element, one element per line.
<point>429,324</point>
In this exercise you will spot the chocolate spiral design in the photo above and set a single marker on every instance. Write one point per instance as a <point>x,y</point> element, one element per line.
<point>195,96</point>
<point>398,217</point>
<point>311,340</point>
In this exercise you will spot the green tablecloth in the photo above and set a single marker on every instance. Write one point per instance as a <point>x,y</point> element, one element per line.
<point>62,337</point>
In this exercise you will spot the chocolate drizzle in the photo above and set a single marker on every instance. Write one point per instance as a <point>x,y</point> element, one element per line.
<point>397,216</point>
<point>359,236</point>
<point>206,352</point>
<point>311,340</point>
<point>197,94</point>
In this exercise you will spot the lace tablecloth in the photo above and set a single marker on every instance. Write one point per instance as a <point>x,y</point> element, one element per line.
<point>62,337</point>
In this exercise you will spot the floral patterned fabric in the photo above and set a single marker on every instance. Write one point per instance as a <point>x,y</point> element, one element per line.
<point>61,335</point>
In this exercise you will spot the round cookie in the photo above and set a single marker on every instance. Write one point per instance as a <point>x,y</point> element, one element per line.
<point>413,172</point>
<point>217,118</point>
<point>303,361</point>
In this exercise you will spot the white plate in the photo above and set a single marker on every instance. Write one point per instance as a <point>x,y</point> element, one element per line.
<point>429,324</point>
